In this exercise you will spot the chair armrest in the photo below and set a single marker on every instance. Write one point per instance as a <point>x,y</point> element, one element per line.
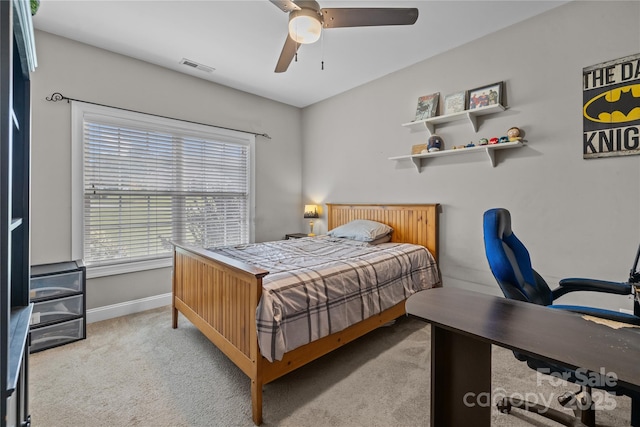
<point>601,313</point>
<point>592,285</point>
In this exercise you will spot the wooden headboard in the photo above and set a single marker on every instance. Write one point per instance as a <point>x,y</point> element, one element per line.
<point>417,224</point>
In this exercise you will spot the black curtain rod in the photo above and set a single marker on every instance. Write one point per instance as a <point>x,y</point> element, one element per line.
<point>57,96</point>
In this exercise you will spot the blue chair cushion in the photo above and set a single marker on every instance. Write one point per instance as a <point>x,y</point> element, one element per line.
<point>510,262</point>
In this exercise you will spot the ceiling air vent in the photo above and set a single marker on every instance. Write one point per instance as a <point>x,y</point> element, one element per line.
<point>193,64</point>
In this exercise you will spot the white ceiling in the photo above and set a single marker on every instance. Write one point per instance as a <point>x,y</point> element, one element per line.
<point>242,39</point>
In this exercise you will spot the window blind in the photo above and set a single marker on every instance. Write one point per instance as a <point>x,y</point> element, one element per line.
<point>148,183</point>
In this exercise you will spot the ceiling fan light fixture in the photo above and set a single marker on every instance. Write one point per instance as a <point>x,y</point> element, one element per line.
<point>305,26</point>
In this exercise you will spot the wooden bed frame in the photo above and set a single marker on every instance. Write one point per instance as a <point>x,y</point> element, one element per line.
<point>220,295</point>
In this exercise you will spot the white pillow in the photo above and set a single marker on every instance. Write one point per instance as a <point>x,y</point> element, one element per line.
<point>363,230</point>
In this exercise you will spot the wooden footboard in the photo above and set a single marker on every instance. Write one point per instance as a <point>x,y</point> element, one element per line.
<point>219,295</point>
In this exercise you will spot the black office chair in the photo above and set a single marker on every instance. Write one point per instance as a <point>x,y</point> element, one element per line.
<point>511,266</point>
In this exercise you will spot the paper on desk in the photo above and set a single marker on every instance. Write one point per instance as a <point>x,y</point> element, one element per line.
<point>610,323</point>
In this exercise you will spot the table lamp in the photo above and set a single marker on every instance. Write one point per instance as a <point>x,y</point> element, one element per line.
<point>311,211</point>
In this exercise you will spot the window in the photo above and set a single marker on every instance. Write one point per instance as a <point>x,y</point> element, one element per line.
<point>143,181</point>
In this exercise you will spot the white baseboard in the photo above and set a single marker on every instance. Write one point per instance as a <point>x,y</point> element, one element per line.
<point>129,307</point>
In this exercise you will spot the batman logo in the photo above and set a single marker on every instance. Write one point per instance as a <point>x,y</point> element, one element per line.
<point>619,105</point>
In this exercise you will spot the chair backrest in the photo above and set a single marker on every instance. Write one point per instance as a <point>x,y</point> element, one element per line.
<point>510,262</point>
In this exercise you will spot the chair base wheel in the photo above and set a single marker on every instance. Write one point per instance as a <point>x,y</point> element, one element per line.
<point>582,404</point>
<point>504,406</point>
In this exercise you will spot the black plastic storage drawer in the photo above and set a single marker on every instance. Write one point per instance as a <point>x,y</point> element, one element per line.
<point>55,285</point>
<point>57,334</point>
<point>58,295</point>
<point>57,310</point>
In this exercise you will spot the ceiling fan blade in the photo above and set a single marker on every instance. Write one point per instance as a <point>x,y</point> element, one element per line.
<point>285,5</point>
<point>366,17</point>
<point>288,52</point>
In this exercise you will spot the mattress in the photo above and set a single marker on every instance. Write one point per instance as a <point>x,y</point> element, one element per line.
<point>320,285</point>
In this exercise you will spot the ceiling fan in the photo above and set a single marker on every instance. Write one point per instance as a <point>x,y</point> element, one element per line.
<point>307,19</point>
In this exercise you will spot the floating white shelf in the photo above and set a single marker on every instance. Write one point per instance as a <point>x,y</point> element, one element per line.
<point>471,115</point>
<point>417,159</point>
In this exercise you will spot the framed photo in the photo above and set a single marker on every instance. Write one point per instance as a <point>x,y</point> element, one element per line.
<point>427,106</point>
<point>485,96</point>
<point>455,102</point>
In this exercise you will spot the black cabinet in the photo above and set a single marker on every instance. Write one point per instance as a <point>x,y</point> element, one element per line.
<point>17,60</point>
<point>59,301</point>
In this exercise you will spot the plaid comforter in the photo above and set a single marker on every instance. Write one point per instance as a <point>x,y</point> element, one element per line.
<point>321,285</point>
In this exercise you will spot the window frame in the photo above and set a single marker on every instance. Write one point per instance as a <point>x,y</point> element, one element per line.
<point>78,111</point>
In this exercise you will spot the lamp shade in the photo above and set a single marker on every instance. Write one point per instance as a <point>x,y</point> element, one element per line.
<point>311,211</point>
<point>304,26</point>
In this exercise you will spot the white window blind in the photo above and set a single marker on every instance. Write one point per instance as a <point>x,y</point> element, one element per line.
<point>148,181</point>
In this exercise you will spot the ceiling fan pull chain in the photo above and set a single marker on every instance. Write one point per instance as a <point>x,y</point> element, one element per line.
<point>322,51</point>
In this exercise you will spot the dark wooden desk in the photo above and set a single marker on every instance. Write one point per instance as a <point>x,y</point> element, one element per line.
<point>465,324</point>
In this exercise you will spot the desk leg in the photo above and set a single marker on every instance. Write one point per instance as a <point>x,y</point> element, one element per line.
<point>460,380</point>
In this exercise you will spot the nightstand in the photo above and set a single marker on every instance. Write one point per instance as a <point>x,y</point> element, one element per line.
<point>295,236</point>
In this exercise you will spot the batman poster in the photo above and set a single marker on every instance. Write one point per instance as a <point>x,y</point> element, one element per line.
<point>611,108</point>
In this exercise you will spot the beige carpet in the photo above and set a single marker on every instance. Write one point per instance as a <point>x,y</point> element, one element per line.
<point>137,371</point>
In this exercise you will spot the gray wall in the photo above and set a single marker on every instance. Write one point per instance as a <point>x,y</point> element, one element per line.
<point>577,217</point>
<point>83,72</point>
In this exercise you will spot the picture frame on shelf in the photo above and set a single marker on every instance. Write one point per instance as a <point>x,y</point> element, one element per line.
<point>455,102</point>
<point>427,106</point>
<point>484,96</point>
